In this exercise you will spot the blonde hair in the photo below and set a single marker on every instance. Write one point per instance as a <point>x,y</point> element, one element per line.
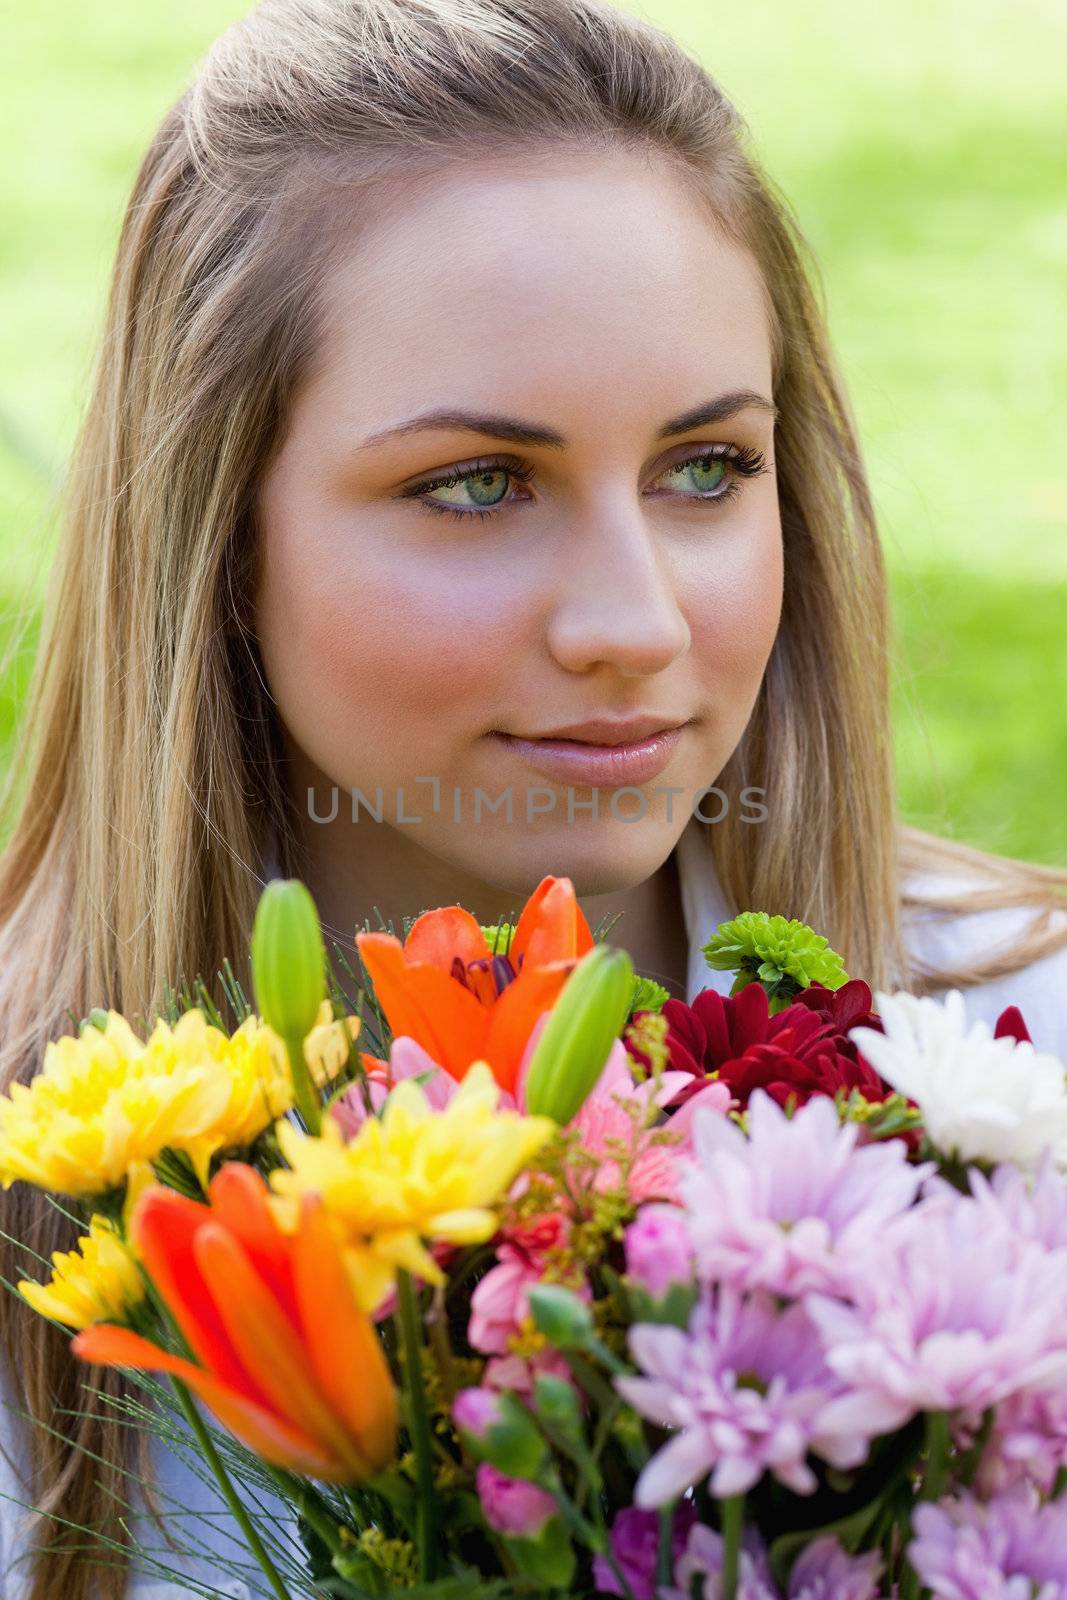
<point>146,781</point>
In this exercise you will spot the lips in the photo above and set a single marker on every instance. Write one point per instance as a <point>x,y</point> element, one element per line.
<point>606,732</point>
<point>587,765</point>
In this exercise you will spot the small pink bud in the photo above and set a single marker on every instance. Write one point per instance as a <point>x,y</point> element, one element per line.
<point>511,1506</point>
<point>475,1410</point>
<point>659,1250</point>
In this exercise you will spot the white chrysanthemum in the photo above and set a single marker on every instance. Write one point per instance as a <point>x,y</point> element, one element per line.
<point>982,1099</point>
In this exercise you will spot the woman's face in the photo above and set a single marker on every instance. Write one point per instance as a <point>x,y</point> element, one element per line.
<point>598,554</point>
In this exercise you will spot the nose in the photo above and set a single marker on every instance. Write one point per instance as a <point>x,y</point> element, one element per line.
<point>616,602</point>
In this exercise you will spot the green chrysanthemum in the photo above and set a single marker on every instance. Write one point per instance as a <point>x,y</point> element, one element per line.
<point>783,954</point>
<point>648,995</point>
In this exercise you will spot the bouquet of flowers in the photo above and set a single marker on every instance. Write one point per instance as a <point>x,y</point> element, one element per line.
<point>564,1287</point>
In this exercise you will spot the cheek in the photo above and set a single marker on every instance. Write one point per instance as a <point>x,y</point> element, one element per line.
<point>376,658</point>
<point>736,610</point>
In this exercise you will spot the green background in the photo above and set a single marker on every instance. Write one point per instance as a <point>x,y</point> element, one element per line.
<point>923,147</point>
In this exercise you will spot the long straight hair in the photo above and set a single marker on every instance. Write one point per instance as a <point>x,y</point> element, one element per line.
<point>147,775</point>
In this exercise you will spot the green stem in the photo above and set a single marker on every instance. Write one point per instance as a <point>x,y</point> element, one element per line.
<point>664,1551</point>
<point>311,1507</point>
<point>733,1516</point>
<point>233,1500</point>
<point>938,1450</point>
<point>421,1440</point>
<point>307,1099</point>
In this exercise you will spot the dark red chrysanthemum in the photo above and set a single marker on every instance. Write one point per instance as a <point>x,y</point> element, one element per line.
<point>802,1051</point>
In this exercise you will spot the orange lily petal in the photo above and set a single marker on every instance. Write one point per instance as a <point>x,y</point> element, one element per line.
<point>164,1226</point>
<point>268,1435</point>
<point>552,926</point>
<point>437,937</point>
<point>424,1003</point>
<point>345,1350</point>
<point>264,1339</point>
<point>240,1202</point>
<point>512,1019</point>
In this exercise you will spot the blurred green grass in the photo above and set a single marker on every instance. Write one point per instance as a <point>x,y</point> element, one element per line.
<point>922,147</point>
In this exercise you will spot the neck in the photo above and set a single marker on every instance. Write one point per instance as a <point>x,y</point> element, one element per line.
<point>356,871</point>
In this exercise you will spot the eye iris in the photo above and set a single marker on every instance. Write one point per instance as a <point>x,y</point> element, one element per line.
<point>478,485</point>
<point>707,471</point>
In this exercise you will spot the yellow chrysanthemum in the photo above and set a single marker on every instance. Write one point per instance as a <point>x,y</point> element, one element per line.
<point>97,1282</point>
<point>326,1047</point>
<point>256,1066</point>
<point>106,1099</point>
<point>253,1066</point>
<point>412,1174</point>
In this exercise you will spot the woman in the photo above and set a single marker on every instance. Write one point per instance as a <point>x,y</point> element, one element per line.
<point>542,214</point>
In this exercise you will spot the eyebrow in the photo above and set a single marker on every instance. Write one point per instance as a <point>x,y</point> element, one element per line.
<point>497,426</point>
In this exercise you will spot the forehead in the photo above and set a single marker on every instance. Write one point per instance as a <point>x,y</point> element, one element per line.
<point>496,278</point>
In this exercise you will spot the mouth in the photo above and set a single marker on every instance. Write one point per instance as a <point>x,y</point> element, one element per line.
<point>596,764</point>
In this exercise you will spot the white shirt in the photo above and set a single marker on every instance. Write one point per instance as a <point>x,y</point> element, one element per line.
<point>194,1512</point>
<point>1040,991</point>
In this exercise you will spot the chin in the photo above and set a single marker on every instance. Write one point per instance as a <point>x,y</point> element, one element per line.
<point>601,857</point>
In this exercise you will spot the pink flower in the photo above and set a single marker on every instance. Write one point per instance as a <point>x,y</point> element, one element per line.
<point>1013,1546</point>
<point>659,1249</point>
<point>747,1389</point>
<point>951,1314</point>
<point>702,1560</point>
<point>519,1373</point>
<point>635,1547</point>
<point>476,1410</point>
<point>825,1572</point>
<point>796,1203</point>
<point>604,1126</point>
<point>512,1506</point>
<point>499,1303</point>
<point>407,1059</point>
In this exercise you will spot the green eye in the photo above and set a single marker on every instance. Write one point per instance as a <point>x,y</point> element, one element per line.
<point>708,472</point>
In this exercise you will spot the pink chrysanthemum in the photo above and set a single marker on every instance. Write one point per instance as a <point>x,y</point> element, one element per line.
<point>953,1314</point>
<point>1010,1548</point>
<point>793,1206</point>
<point>747,1389</point>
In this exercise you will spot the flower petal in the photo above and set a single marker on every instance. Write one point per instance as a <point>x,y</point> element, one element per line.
<point>551,927</point>
<point>425,1003</point>
<point>513,1018</point>
<point>264,1339</point>
<point>241,1203</point>
<point>345,1351</point>
<point>163,1228</point>
<point>260,1429</point>
<point>437,937</point>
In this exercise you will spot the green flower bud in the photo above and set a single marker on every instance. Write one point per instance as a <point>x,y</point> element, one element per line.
<point>565,1321</point>
<point>556,1403</point>
<point>582,1026</point>
<point>498,1429</point>
<point>548,1560</point>
<point>288,958</point>
<point>289,974</point>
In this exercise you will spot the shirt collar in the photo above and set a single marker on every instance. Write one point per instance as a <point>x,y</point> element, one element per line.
<point>704,907</point>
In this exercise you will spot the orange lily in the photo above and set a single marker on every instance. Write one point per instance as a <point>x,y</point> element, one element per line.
<point>287,1361</point>
<point>444,988</point>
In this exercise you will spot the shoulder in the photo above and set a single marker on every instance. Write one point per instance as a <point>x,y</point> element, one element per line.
<point>938,939</point>
<point>207,1543</point>
<point>15,1512</point>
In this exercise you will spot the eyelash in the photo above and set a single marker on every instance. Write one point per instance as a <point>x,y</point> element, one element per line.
<point>746,462</point>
